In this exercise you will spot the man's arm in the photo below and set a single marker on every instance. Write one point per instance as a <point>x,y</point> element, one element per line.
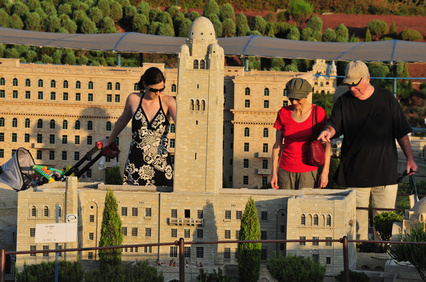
<point>327,133</point>
<point>404,143</point>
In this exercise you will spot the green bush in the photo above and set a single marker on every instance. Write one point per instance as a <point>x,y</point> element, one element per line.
<point>67,271</point>
<point>113,176</point>
<point>213,277</point>
<point>377,28</point>
<point>295,268</point>
<point>354,276</point>
<point>410,35</point>
<point>383,223</point>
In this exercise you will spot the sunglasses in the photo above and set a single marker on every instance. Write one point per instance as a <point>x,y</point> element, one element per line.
<point>353,84</point>
<point>293,99</point>
<point>154,90</point>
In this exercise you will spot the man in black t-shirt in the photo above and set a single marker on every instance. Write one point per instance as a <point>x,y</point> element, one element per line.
<point>370,119</point>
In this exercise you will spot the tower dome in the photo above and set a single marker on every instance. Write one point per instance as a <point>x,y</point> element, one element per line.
<point>202,29</point>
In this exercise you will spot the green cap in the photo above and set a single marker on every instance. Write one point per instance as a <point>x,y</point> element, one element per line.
<point>298,88</point>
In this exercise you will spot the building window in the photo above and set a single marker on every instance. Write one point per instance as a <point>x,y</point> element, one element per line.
<point>246,132</point>
<point>173,89</point>
<point>65,124</point>
<point>65,96</point>
<point>265,147</point>
<point>173,252</point>
<point>15,82</point>
<point>27,82</point>
<point>2,94</point>
<point>32,232</point>
<point>247,91</point>
<point>200,214</point>
<point>147,232</point>
<point>282,228</point>
<point>263,235</point>
<point>76,156</point>
<point>91,236</point>
<point>52,84</point>
<point>14,122</point>
<point>109,86</point>
<point>148,212</point>
<point>64,155</point>
<point>91,218</point>
<point>90,85</point>
<point>33,211</point>
<point>117,98</point>
<point>1,137</point>
<point>77,125</point>
<point>65,84</point>
<point>264,254</point>
<point>77,96</point>
<point>246,147</point>
<point>328,220</point>
<point>124,229</point>
<point>266,104</point>
<point>109,98</point>
<point>40,95</point>
<point>173,213</point>
<point>123,211</point>
<point>227,234</point>
<point>329,244</point>
<point>52,124</point>
<point>52,96</point>
<point>200,252</point>
<point>187,233</point>
<point>117,86</point>
<point>46,211</point>
<point>90,255</point>
<point>174,233</point>
<point>172,143</point>
<point>315,243</point>
<point>108,126</point>
<point>245,180</point>
<point>187,252</point>
<point>27,123</point>
<point>39,123</point>
<point>45,248</point>
<point>195,64</point>
<point>90,97</point>
<point>27,94</point>
<point>1,153</point>
<point>40,83</point>
<point>136,87</point>
<point>316,219</point>
<point>39,138</point>
<point>134,211</point>
<point>200,233</point>
<point>284,92</point>
<point>266,92</point>
<point>172,128</point>
<point>2,81</point>
<point>202,64</point>
<point>33,248</point>
<point>315,258</point>
<point>77,84</point>
<point>1,122</point>
<point>264,164</point>
<point>247,103</point>
<point>238,214</point>
<point>264,215</point>
<point>15,94</point>
<point>187,213</point>
<point>64,139</point>
<point>134,231</point>
<point>228,214</point>
<point>328,260</point>
<point>14,137</point>
<point>246,163</point>
<point>302,238</point>
<point>52,138</point>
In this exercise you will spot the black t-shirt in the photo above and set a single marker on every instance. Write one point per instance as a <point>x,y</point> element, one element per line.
<point>370,127</point>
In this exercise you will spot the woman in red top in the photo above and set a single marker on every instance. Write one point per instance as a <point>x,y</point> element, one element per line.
<point>293,125</point>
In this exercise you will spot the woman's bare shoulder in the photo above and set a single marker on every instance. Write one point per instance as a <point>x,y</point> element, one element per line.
<point>168,99</point>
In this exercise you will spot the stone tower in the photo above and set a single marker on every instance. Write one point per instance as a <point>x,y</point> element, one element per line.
<point>200,98</point>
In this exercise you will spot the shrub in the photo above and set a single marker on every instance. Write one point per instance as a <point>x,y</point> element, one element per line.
<point>383,223</point>
<point>300,11</point>
<point>410,35</point>
<point>113,176</point>
<point>295,268</point>
<point>215,276</point>
<point>67,271</point>
<point>377,28</point>
<point>354,276</point>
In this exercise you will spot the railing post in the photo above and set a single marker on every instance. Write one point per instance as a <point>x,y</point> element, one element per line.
<point>344,241</point>
<point>2,264</point>
<point>181,260</point>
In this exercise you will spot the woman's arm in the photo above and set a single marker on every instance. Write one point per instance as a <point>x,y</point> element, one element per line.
<point>121,122</point>
<point>171,107</point>
<point>323,180</point>
<point>276,153</point>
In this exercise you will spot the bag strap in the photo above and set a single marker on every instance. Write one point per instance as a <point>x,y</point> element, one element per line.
<point>314,122</point>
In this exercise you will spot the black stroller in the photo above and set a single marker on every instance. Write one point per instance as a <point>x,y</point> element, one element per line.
<point>20,172</point>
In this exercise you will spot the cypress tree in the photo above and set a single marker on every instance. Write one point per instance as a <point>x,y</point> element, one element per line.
<point>368,36</point>
<point>249,253</point>
<point>111,233</point>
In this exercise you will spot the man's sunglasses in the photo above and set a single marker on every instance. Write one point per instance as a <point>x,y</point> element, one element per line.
<point>154,90</point>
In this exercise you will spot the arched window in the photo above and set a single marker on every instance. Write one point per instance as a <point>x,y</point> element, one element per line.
<point>303,220</point>
<point>27,82</point>
<point>173,88</point>
<point>1,122</point>
<point>90,85</point>
<point>89,125</point>
<point>172,128</point>
<point>40,83</point>
<point>247,91</point>
<point>40,123</point>
<point>15,82</point>
<point>14,122</point>
<point>192,105</point>
<point>198,105</point>
<point>59,211</point>
<point>109,86</point>
<point>2,81</point>
<point>117,86</point>
<point>246,132</point>
<point>65,124</point>
<point>195,64</point>
<point>52,124</point>
<point>328,220</point>
<point>266,92</point>
<point>316,219</point>
<point>203,104</point>
<point>65,83</point>
<point>46,211</point>
<point>284,92</point>
<point>108,126</point>
<point>77,124</point>
<point>265,132</point>
<point>136,87</point>
<point>27,123</point>
<point>52,83</point>
<point>202,64</point>
<point>33,211</point>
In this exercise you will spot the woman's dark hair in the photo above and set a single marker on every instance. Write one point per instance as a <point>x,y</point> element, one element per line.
<point>150,77</point>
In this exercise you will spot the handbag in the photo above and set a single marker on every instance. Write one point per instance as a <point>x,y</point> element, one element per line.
<point>316,148</point>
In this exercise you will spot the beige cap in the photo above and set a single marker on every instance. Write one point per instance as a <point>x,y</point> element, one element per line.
<point>354,72</point>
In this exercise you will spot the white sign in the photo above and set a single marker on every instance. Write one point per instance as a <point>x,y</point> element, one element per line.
<point>56,233</point>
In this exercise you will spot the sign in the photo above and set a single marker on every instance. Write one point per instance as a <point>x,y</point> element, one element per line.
<point>56,233</point>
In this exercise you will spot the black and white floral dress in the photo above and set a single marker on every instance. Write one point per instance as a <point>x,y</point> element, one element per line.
<point>148,162</point>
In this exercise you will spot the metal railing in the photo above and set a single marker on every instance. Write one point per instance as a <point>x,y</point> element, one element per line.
<point>181,244</point>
